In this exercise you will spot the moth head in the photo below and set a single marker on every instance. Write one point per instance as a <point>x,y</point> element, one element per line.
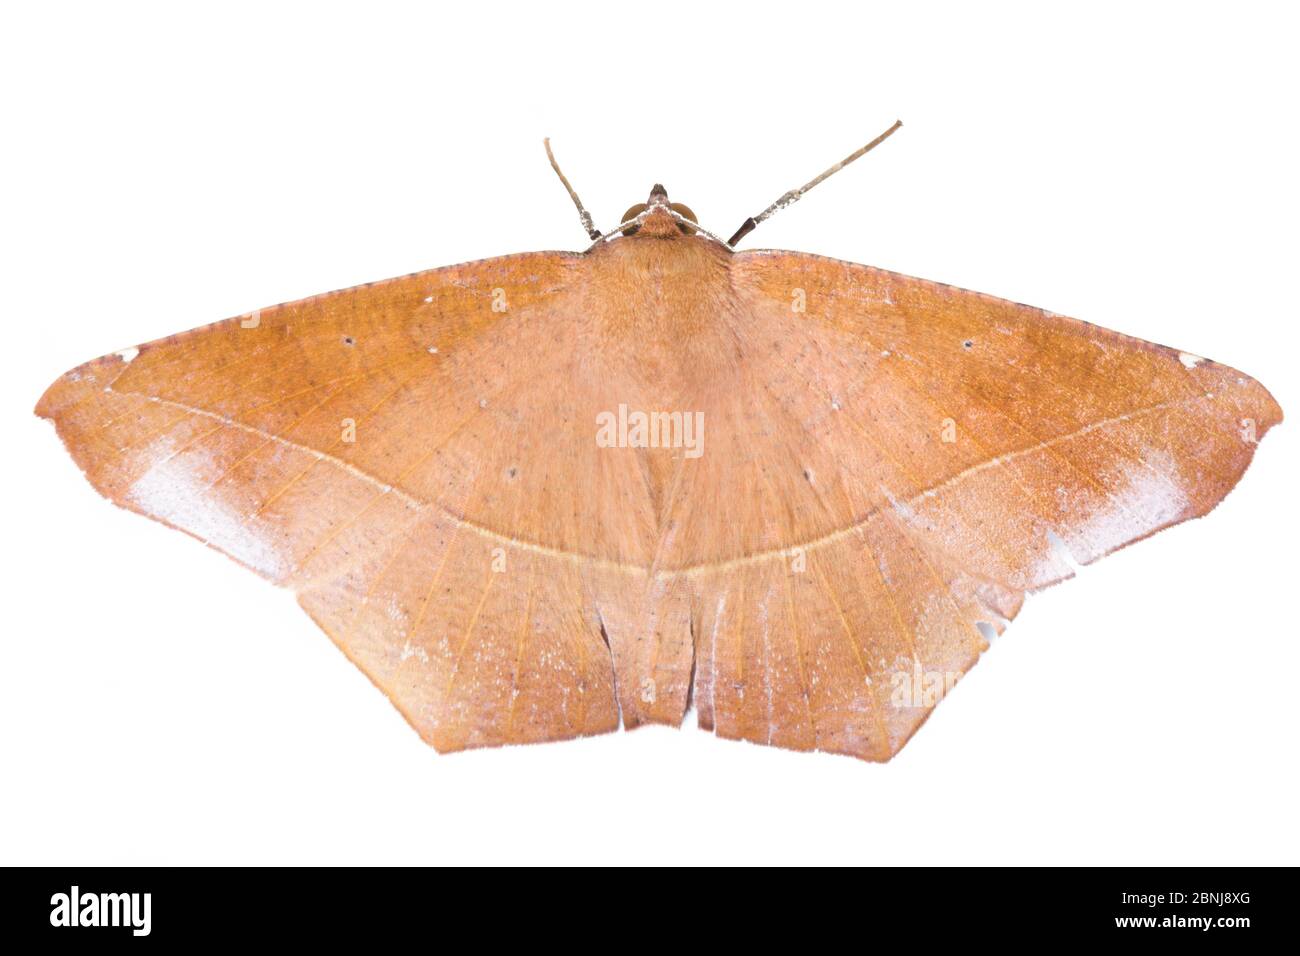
<point>666,218</point>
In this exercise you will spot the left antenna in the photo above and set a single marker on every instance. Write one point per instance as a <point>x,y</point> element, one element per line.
<point>585,216</point>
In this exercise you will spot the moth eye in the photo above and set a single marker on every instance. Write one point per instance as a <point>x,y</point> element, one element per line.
<point>632,213</point>
<point>683,210</point>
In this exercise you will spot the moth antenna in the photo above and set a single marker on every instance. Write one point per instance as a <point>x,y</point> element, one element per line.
<point>585,216</point>
<point>795,195</point>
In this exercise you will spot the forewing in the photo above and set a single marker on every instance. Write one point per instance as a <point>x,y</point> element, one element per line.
<point>994,428</point>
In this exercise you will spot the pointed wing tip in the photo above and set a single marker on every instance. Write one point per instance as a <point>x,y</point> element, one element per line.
<point>1215,378</point>
<point>80,383</point>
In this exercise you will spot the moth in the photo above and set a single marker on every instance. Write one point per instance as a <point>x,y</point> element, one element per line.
<point>539,496</point>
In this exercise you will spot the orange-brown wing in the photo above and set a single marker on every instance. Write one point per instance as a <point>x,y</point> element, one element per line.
<point>406,455</point>
<point>918,457</point>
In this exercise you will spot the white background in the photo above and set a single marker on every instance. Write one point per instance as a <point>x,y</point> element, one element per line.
<point>1133,165</point>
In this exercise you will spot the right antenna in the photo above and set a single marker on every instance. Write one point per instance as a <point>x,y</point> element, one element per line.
<point>792,197</point>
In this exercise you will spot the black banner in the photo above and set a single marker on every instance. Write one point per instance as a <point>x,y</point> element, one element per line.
<point>137,906</point>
